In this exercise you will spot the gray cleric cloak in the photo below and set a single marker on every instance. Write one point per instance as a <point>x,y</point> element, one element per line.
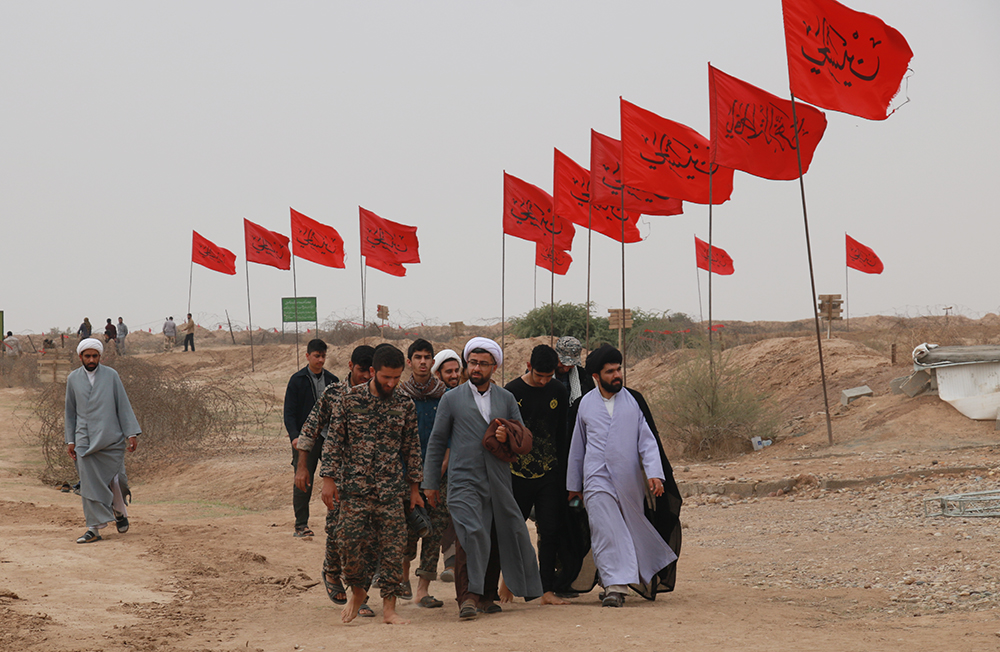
<point>479,489</point>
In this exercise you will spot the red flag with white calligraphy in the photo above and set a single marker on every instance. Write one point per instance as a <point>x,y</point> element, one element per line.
<point>388,241</point>
<point>862,258</point>
<point>753,131</point>
<point>571,200</point>
<point>207,253</point>
<point>660,155</point>
<point>266,247</point>
<point>527,214</point>
<point>316,242</point>
<point>841,59</point>
<point>606,182</point>
<point>551,259</point>
<point>385,266</point>
<point>721,262</point>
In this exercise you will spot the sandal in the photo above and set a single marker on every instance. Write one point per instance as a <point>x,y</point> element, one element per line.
<point>303,532</point>
<point>468,610</point>
<point>429,602</point>
<point>613,599</point>
<point>89,537</point>
<point>333,589</point>
<point>489,608</point>
<point>365,611</point>
<point>405,591</point>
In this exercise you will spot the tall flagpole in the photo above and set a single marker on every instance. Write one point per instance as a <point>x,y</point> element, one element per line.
<point>249,315</point>
<point>847,291</point>
<point>295,297</point>
<point>590,223</point>
<point>503,297</point>
<point>190,283</point>
<point>711,351</point>
<point>364,330</point>
<point>697,276</point>
<point>812,276</point>
<point>622,322</point>
<point>552,293</point>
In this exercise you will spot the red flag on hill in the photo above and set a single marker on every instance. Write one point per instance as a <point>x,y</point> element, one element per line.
<point>552,259</point>
<point>204,252</point>
<point>722,263</point>
<point>862,258</point>
<point>571,200</point>
<point>606,182</point>
<point>385,266</point>
<point>266,247</point>
<point>841,59</point>
<point>663,156</point>
<point>316,242</point>
<point>527,214</point>
<point>752,130</point>
<point>388,241</point>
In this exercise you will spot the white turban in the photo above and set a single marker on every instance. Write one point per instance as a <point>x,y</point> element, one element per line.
<point>89,343</point>
<point>444,356</point>
<point>486,344</point>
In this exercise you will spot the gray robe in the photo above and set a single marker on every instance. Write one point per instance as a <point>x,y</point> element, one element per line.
<point>99,419</point>
<point>479,490</point>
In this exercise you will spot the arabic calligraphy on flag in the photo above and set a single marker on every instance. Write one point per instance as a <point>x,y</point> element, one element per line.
<point>266,247</point>
<point>862,258</point>
<point>606,182</point>
<point>753,130</point>
<point>552,259</point>
<point>386,245</point>
<point>571,200</point>
<point>721,262</point>
<point>316,242</point>
<point>663,156</point>
<point>207,253</point>
<point>527,214</point>
<point>841,59</point>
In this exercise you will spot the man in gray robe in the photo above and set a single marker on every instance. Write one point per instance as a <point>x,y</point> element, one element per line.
<point>613,459</point>
<point>480,500</point>
<point>99,420</point>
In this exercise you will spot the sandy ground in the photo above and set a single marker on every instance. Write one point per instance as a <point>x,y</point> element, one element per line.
<point>801,546</point>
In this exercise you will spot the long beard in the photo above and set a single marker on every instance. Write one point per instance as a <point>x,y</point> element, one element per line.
<point>381,390</point>
<point>613,387</point>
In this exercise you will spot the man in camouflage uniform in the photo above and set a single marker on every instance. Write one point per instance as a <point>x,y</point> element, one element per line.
<point>372,435</point>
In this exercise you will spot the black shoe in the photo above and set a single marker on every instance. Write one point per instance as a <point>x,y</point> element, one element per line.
<point>121,522</point>
<point>613,599</point>
<point>568,595</point>
<point>89,537</point>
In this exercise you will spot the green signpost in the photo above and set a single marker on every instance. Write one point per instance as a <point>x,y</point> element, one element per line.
<point>298,309</point>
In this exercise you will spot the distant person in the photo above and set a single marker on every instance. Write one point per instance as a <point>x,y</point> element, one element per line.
<point>85,329</point>
<point>612,452</point>
<point>426,391</point>
<point>188,329</point>
<point>100,427</point>
<point>169,334</point>
<point>571,373</point>
<point>371,458</point>
<point>491,532</point>
<point>122,334</point>
<point>538,478</point>
<point>448,369</point>
<point>110,332</point>
<point>305,387</point>
<point>11,346</point>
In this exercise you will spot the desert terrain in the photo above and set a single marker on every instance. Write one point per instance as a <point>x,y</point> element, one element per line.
<point>800,546</point>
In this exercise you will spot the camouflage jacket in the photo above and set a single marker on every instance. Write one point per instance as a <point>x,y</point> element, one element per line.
<point>319,418</point>
<point>372,447</point>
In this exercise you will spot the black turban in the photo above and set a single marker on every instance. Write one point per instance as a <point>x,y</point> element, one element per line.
<point>601,356</point>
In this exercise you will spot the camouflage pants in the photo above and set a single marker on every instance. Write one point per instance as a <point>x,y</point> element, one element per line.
<point>430,549</point>
<point>371,536</point>
<point>331,563</point>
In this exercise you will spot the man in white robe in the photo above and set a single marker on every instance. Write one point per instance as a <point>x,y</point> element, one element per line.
<point>613,459</point>
<point>100,427</point>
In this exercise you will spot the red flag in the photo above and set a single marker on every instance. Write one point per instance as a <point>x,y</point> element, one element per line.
<point>266,247</point>
<point>667,157</point>
<point>316,242</point>
<point>388,241</point>
<point>841,59</point>
<point>606,181</point>
<point>862,258</point>
<point>752,129</point>
<point>571,200</point>
<point>722,263</point>
<point>204,252</point>
<point>552,259</point>
<point>385,266</point>
<point>527,214</point>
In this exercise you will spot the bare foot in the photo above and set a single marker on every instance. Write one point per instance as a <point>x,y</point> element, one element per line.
<point>350,611</point>
<point>423,589</point>
<point>389,615</point>
<point>551,598</point>
<point>505,594</point>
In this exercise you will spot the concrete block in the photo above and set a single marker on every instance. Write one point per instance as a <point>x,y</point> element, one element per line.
<point>849,395</point>
<point>896,384</point>
<point>917,383</point>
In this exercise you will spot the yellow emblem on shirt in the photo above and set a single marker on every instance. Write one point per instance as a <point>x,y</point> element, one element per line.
<point>553,404</point>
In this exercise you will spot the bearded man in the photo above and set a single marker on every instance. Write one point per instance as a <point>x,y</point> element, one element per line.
<point>100,427</point>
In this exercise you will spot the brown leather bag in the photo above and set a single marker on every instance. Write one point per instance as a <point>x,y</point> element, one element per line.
<point>518,440</point>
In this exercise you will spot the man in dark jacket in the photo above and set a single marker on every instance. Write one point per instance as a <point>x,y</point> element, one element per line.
<point>304,389</point>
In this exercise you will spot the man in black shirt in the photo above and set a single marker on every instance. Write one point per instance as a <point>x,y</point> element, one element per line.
<point>538,478</point>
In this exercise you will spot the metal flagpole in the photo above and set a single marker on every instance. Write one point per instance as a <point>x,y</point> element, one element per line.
<point>812,276</point>
<point>190,283</point>
<point>295,298</point>
<point>621,333</point>
<point>249,315</point>
<point>534,295</point>
<point>590,223</point>
<point>503,297</point>
<point>847,292</point>
<point>697,276</point>
<point>552,294</point>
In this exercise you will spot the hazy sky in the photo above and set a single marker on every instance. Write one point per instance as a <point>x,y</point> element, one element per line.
<point>126,125</point>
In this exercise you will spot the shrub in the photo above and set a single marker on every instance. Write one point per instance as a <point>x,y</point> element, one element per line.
<point>712,410</point>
